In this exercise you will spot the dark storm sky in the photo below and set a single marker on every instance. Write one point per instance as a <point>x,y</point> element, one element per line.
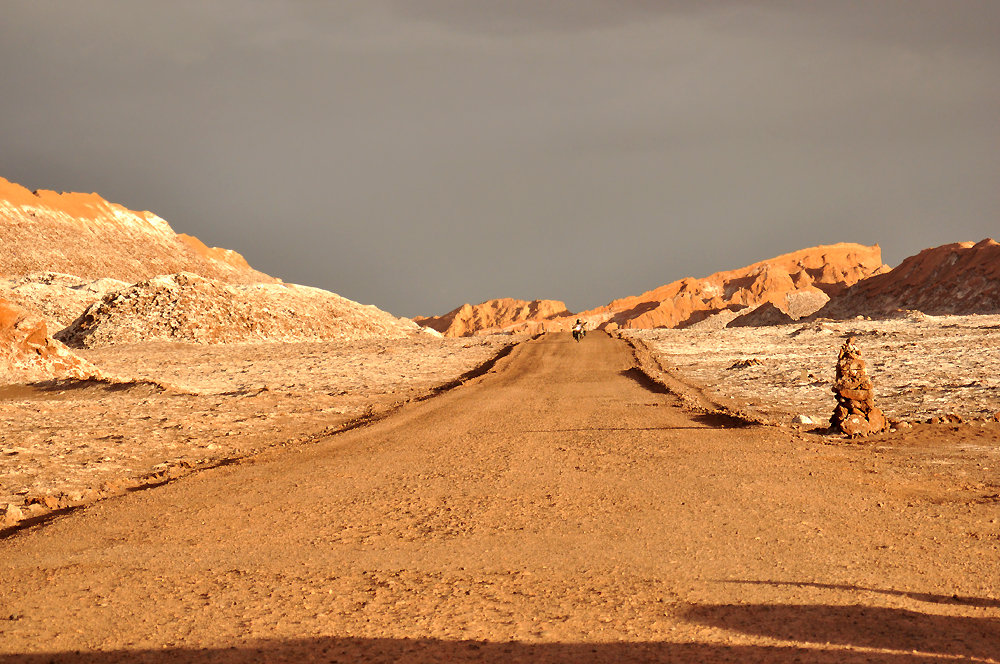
<point>419,155</point>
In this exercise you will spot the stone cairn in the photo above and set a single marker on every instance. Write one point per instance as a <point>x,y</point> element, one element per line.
<point>855,414</point>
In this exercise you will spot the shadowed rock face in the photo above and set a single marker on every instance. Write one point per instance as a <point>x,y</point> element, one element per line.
<point>961,278</point>
<point>28,354</point>
<point>764,315</point>
<point>494,316</point>
<point>88,237</point>
<point>794,285</point>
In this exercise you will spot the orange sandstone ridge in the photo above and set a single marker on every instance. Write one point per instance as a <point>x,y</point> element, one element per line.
<point>780,289</point>
<point>495,316</point>
<point>86,236</point>
<point>795,284</point>
<point>953,279</point>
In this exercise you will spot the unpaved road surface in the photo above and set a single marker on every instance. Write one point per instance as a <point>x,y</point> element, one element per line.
<point>557,509</point>
<point>183,406</point>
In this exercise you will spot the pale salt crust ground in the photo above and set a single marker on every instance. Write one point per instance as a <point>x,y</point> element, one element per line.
<point>922,366</point>
<point>73,442</point>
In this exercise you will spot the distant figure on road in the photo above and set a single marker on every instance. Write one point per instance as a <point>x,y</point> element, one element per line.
<point>579,331</point>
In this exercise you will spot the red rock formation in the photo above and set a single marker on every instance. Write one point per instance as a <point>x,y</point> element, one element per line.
<point>856,413</point>
<point>962,278</point>
<point>28,354</point>
<point>88,237</point>
<point>494,316</point>
<point>795,284</point>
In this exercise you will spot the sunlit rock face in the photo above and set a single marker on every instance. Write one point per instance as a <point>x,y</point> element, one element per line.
<point>958,279</point>
<point>496,316</point>
<point>88,237</point>
<point>93,273</point>
<point>793,285</point>
<point>28,354</point>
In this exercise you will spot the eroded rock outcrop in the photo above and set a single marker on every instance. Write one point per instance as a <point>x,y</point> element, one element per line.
<point>795,285</point>
<point>856,413</point>
<point>28,354</point>
<point>188,308</point>
<point>957,279</point>
<point>86,236</point>
<point>58,298</point>
<point>495,316</point>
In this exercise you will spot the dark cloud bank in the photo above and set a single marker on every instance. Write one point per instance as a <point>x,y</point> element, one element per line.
<point>418,155</point>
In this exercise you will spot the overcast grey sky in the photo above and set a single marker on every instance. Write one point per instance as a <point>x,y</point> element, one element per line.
<point>419,155</point>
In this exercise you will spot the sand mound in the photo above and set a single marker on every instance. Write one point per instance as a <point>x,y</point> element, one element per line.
<point>187,308</point>
<point>958,279</point>
<point>28,354</point>
<point>494,316</point>
<point>795,284</point>
<point>85,235</point>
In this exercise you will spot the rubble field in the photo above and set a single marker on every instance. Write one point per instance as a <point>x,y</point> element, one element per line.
<point>922,367</point>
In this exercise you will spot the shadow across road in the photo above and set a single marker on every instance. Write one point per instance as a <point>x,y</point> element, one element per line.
<point>981,602</point>
<point>432,651</point>
<point>858,626</point>
<point>713,419</point>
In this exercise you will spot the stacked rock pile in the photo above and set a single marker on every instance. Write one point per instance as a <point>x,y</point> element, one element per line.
<point>856,413</point>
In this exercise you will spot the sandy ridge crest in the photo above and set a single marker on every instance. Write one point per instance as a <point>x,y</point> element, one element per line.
<point>86,236</point>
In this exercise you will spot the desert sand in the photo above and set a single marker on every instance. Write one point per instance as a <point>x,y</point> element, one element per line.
<point>201,463</point>
<point>564,506</point>
<point>177,407</point>
<point>923,366</point>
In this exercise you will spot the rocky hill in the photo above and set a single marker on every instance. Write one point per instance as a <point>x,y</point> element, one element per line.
<point>29,354</point>
<point>792,286</point>
<point>188,308</point>
<point>795,284</point>
<point>957,279</point>
<point>95,274</point>
<point>88,237</point>
<point>494,316</point>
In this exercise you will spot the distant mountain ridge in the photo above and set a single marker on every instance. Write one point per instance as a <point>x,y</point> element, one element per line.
<point>792,285</point>
<point>493,316</point>
<point>953,279</point>
<point>837,281</point>
<point>797,284</point>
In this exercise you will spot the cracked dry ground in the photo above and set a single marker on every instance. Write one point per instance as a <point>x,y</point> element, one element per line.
<point>557,509</point>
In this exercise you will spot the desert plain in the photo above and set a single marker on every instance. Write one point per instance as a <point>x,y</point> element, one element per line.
<point>200,463</point>
<point>592,501</point>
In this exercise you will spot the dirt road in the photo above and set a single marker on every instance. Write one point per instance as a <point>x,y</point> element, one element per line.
<point>557,509</point>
